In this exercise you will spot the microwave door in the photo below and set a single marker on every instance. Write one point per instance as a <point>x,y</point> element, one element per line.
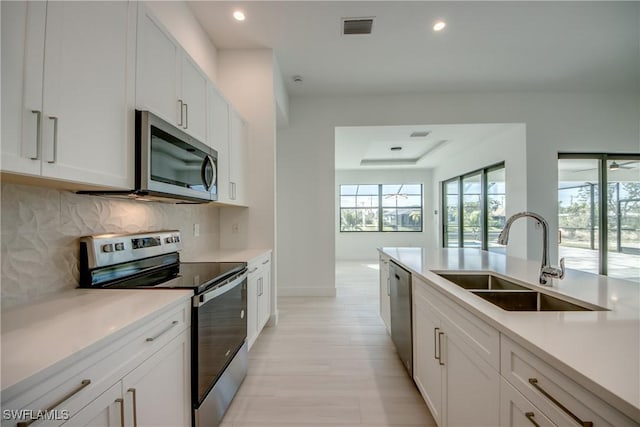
<point>177,167</point>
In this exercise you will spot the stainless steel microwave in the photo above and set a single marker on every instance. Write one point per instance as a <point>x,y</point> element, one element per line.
<point>171,166</point>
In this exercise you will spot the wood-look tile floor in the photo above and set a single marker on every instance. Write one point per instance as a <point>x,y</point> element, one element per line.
<point>329,362</point>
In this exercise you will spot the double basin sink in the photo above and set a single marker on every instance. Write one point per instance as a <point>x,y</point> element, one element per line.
<point>512,296</point>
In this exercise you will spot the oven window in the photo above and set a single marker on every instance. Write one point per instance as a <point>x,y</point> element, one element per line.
<point>175,162</point>
<point>220,330</point>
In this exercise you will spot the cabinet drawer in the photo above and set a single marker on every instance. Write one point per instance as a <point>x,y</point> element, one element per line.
<point>517,411</point>
<point>259,262</point>
<point>75,386</point>
<point>561,399</point>
<point>484,339</point>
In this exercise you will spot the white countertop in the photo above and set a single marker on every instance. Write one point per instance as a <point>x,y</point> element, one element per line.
<point>230,255</point>
<point>65,327</point>
<point>598,349</point>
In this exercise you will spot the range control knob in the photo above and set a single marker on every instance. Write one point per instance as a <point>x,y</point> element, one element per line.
<point>119,246</point>
<point>107,248</point>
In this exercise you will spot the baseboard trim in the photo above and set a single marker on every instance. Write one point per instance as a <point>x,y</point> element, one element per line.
<point>306,292</point>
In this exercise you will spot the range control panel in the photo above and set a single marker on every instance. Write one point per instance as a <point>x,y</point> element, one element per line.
<point>108,249</point>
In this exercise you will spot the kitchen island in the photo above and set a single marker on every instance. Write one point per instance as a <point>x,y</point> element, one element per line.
<point>597,350</point>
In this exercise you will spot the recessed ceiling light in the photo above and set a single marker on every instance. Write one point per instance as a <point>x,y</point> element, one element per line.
<point>439,26</point>
<point>239,15</point>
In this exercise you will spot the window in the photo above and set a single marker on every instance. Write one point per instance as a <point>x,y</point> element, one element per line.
<point>381,207</point>
<point>473,211</point>
<point>599,213</point>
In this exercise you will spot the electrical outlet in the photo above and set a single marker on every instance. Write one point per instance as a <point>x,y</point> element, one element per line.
<point>234,228</point>
<point>196,230</point>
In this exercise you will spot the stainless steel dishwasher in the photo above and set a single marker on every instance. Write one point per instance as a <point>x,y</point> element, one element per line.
<point>400,284</point>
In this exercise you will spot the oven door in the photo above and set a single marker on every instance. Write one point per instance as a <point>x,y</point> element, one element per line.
<point>219,329</point>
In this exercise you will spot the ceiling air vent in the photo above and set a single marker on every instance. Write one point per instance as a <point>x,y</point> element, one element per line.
<point>353,26</point>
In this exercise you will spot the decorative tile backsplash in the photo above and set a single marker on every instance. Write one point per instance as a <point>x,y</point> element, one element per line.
<point>41,227</point>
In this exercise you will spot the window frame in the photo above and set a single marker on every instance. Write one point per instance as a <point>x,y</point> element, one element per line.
<point>380,209</point>
<point>484,203</point>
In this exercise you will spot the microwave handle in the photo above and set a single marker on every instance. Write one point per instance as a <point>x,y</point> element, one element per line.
<point>203,172</point>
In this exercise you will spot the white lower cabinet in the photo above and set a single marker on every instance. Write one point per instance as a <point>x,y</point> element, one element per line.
<point>157,393</point>
<point>258,296</point>
<point>460,387</point>
<point>140,379</point>
<point>471,375</point>
<point>385,292</point>
<point>105,411</point>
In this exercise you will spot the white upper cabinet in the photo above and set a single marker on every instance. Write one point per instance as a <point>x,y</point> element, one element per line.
<point>194,99</point>
<point>238,159</point>
<point>72,120</point>
<point>218,137</point>
<point>168,82</point>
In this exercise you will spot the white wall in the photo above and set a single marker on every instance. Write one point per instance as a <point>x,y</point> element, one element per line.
<point>554,122</point>
<point>362,246</point>
<point>246,77</point>
<point>507,146</point>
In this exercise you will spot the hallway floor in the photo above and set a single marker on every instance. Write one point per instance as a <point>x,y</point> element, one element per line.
<point>329,362</point>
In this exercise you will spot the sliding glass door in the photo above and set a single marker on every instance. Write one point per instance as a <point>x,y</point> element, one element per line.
<point>599,213</point>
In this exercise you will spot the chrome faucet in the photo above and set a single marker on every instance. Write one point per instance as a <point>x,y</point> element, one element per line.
<point>546,270</point>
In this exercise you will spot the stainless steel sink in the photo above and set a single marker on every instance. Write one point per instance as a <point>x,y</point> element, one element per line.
<point>511,296</point>
<point>528,301</point>
<point>482,281</point>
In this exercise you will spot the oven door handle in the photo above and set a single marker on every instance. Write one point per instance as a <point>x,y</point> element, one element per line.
<point>200,300</point>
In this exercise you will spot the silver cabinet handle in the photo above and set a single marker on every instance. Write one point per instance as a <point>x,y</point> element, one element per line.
<point>58,402</point>
<point>530,416</point>
<point>181,119</point>
<point>135,406</point>
<point>121,402</point>
<point>253,270</point>
<point>266,261</point>
<point>534,383</point>
<point>440,334</point>
<point>436,351</point>
<point>55,139</point>
<point>38,114</point>
<point>164,331</point>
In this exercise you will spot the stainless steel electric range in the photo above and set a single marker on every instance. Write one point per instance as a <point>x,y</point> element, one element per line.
<point>218,317</point>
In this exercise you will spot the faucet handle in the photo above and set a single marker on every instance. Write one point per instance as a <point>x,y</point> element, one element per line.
<point>561,275</point>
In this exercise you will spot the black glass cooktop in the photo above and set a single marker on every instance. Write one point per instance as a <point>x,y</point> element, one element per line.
<point>202,275</point>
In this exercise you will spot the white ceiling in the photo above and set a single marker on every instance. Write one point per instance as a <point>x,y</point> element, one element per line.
<point>355,143</point>
<point>486,46</point>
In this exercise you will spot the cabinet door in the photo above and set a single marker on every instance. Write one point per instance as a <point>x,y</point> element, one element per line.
<point>106,410</point>
<point>517,411</point>
<point>385,303</point>
<point>264,296</point>
<point>194,98</point>
<point>157,69</point>
<point>23,25</point>
<point>427,370</point>
<point>472,386</point>
<point>218,138</point>
<point>238,158</point>
<point>87,126</point>
<point>253,289</point>
<point>157,393</point>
